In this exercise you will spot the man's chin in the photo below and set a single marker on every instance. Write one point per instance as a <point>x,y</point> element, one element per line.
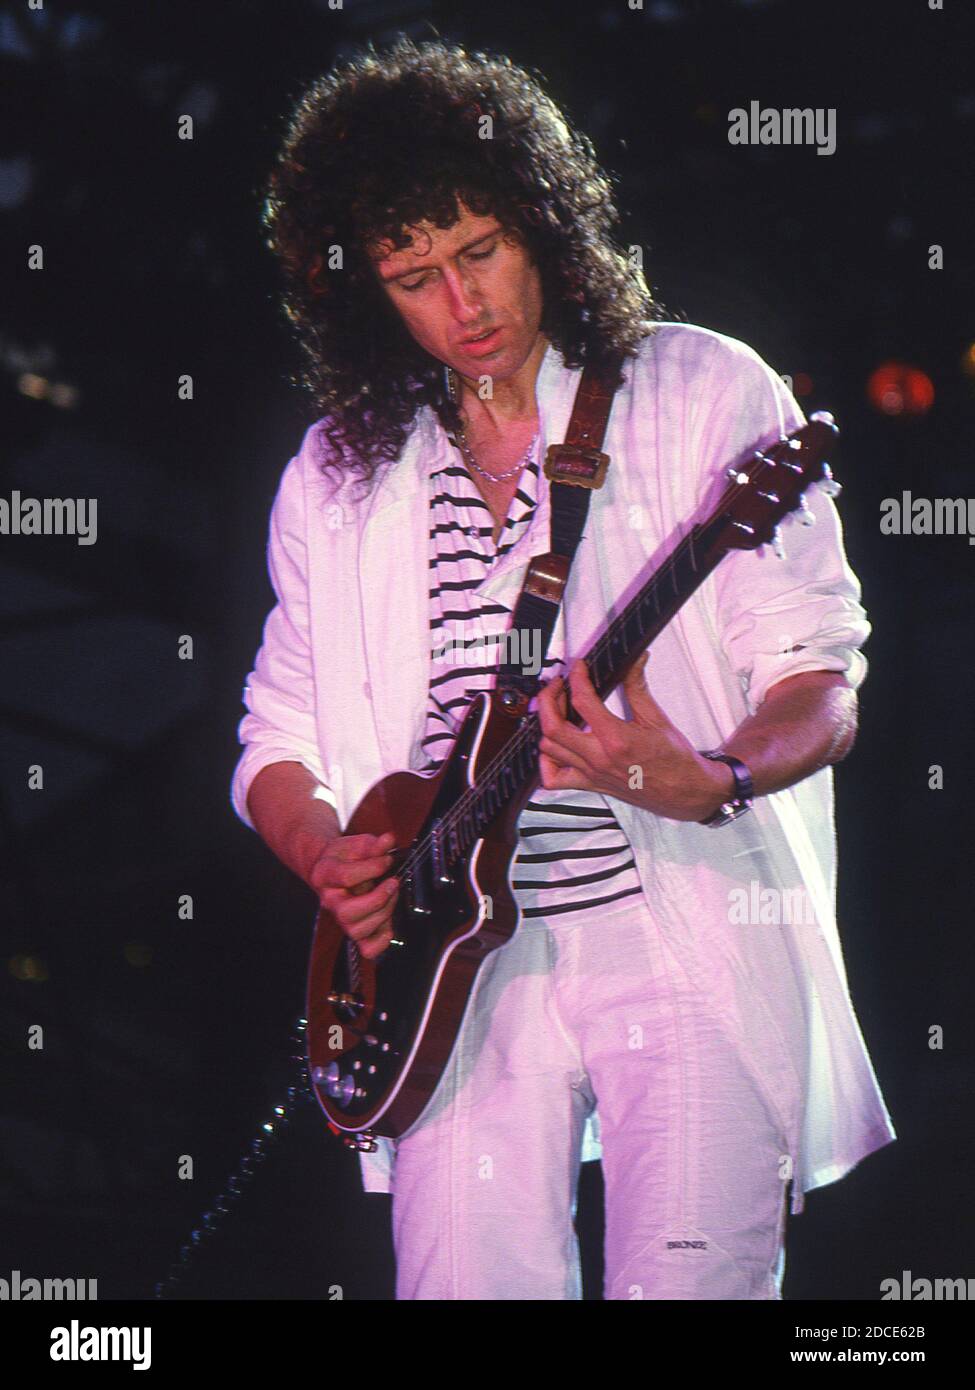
<point>501,365</point>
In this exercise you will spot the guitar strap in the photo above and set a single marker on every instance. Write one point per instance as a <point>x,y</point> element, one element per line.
<point>574,469</point>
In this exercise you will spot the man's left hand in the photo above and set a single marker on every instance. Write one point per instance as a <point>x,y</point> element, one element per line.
<point>645,760</point>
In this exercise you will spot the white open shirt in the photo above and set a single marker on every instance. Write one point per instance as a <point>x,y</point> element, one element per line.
<point>340,685</point>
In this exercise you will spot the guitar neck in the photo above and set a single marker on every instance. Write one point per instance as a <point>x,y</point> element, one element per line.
<point>608,660</point>
<point>650,610</point>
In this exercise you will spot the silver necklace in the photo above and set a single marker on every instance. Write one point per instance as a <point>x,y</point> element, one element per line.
<point>465,448</point>
<point>495,477</point>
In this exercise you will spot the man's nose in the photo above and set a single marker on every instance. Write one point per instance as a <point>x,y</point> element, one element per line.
<point>465,302</point>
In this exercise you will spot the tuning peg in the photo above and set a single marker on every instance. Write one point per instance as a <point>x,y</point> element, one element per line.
<point>829,484</point>
<point>778,549</point>
<point>736,475</point>
<point>806,517</point>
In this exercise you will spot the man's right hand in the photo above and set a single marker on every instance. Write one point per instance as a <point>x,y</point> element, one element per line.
<point>344,877</point>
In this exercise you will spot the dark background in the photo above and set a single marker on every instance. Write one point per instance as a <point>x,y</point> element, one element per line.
<point>166,1037</point>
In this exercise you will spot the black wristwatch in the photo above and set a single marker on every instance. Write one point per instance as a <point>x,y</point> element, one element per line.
<point>742,799</point>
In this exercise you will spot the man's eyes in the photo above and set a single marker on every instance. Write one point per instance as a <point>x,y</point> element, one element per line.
<point>471,256</point>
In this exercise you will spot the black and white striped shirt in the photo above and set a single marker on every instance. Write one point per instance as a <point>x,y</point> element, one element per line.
<point>572,857</point>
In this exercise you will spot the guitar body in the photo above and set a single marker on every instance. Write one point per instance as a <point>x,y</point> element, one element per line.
<point>380,1031</point>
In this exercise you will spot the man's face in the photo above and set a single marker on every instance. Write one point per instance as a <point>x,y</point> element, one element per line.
<point>449,286</point>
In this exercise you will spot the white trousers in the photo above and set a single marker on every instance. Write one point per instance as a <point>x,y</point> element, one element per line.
<point>565,1018</point>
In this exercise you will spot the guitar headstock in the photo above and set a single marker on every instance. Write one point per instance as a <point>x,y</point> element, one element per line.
<point>773,483</point>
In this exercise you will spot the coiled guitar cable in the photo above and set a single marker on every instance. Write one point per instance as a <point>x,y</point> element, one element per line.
<point>297,1095</point>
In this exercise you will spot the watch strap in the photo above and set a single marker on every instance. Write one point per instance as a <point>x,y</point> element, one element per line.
<point>741,801</point>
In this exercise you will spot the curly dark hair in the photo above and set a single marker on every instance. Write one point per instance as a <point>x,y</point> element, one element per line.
<point>386,140</point>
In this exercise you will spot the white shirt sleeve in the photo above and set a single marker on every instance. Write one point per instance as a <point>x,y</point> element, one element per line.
<point>280,725</point>
<point>778,617</point>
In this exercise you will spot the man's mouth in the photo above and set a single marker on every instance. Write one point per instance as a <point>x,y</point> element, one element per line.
<point>483,343</point>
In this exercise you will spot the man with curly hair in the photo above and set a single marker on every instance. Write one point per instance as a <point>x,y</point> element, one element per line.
<point>446,239</point>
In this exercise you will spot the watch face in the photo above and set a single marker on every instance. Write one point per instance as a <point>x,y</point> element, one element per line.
<point>728,812</point>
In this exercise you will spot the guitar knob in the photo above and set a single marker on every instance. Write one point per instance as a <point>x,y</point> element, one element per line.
<point>778,549</point>
<point>829,484</point>
<point>327,1077</point>
<point>806,517</point>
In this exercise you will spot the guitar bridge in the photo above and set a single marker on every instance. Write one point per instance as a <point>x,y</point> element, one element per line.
<point>437,852</point>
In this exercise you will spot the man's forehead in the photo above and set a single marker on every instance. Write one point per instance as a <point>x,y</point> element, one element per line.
<point>426,237</point>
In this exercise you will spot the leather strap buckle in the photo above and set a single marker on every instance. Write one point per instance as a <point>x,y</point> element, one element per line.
<point>575,465</point>
<point>546,577</point>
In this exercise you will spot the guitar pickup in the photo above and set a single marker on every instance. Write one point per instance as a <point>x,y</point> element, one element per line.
<point>416,890</point>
